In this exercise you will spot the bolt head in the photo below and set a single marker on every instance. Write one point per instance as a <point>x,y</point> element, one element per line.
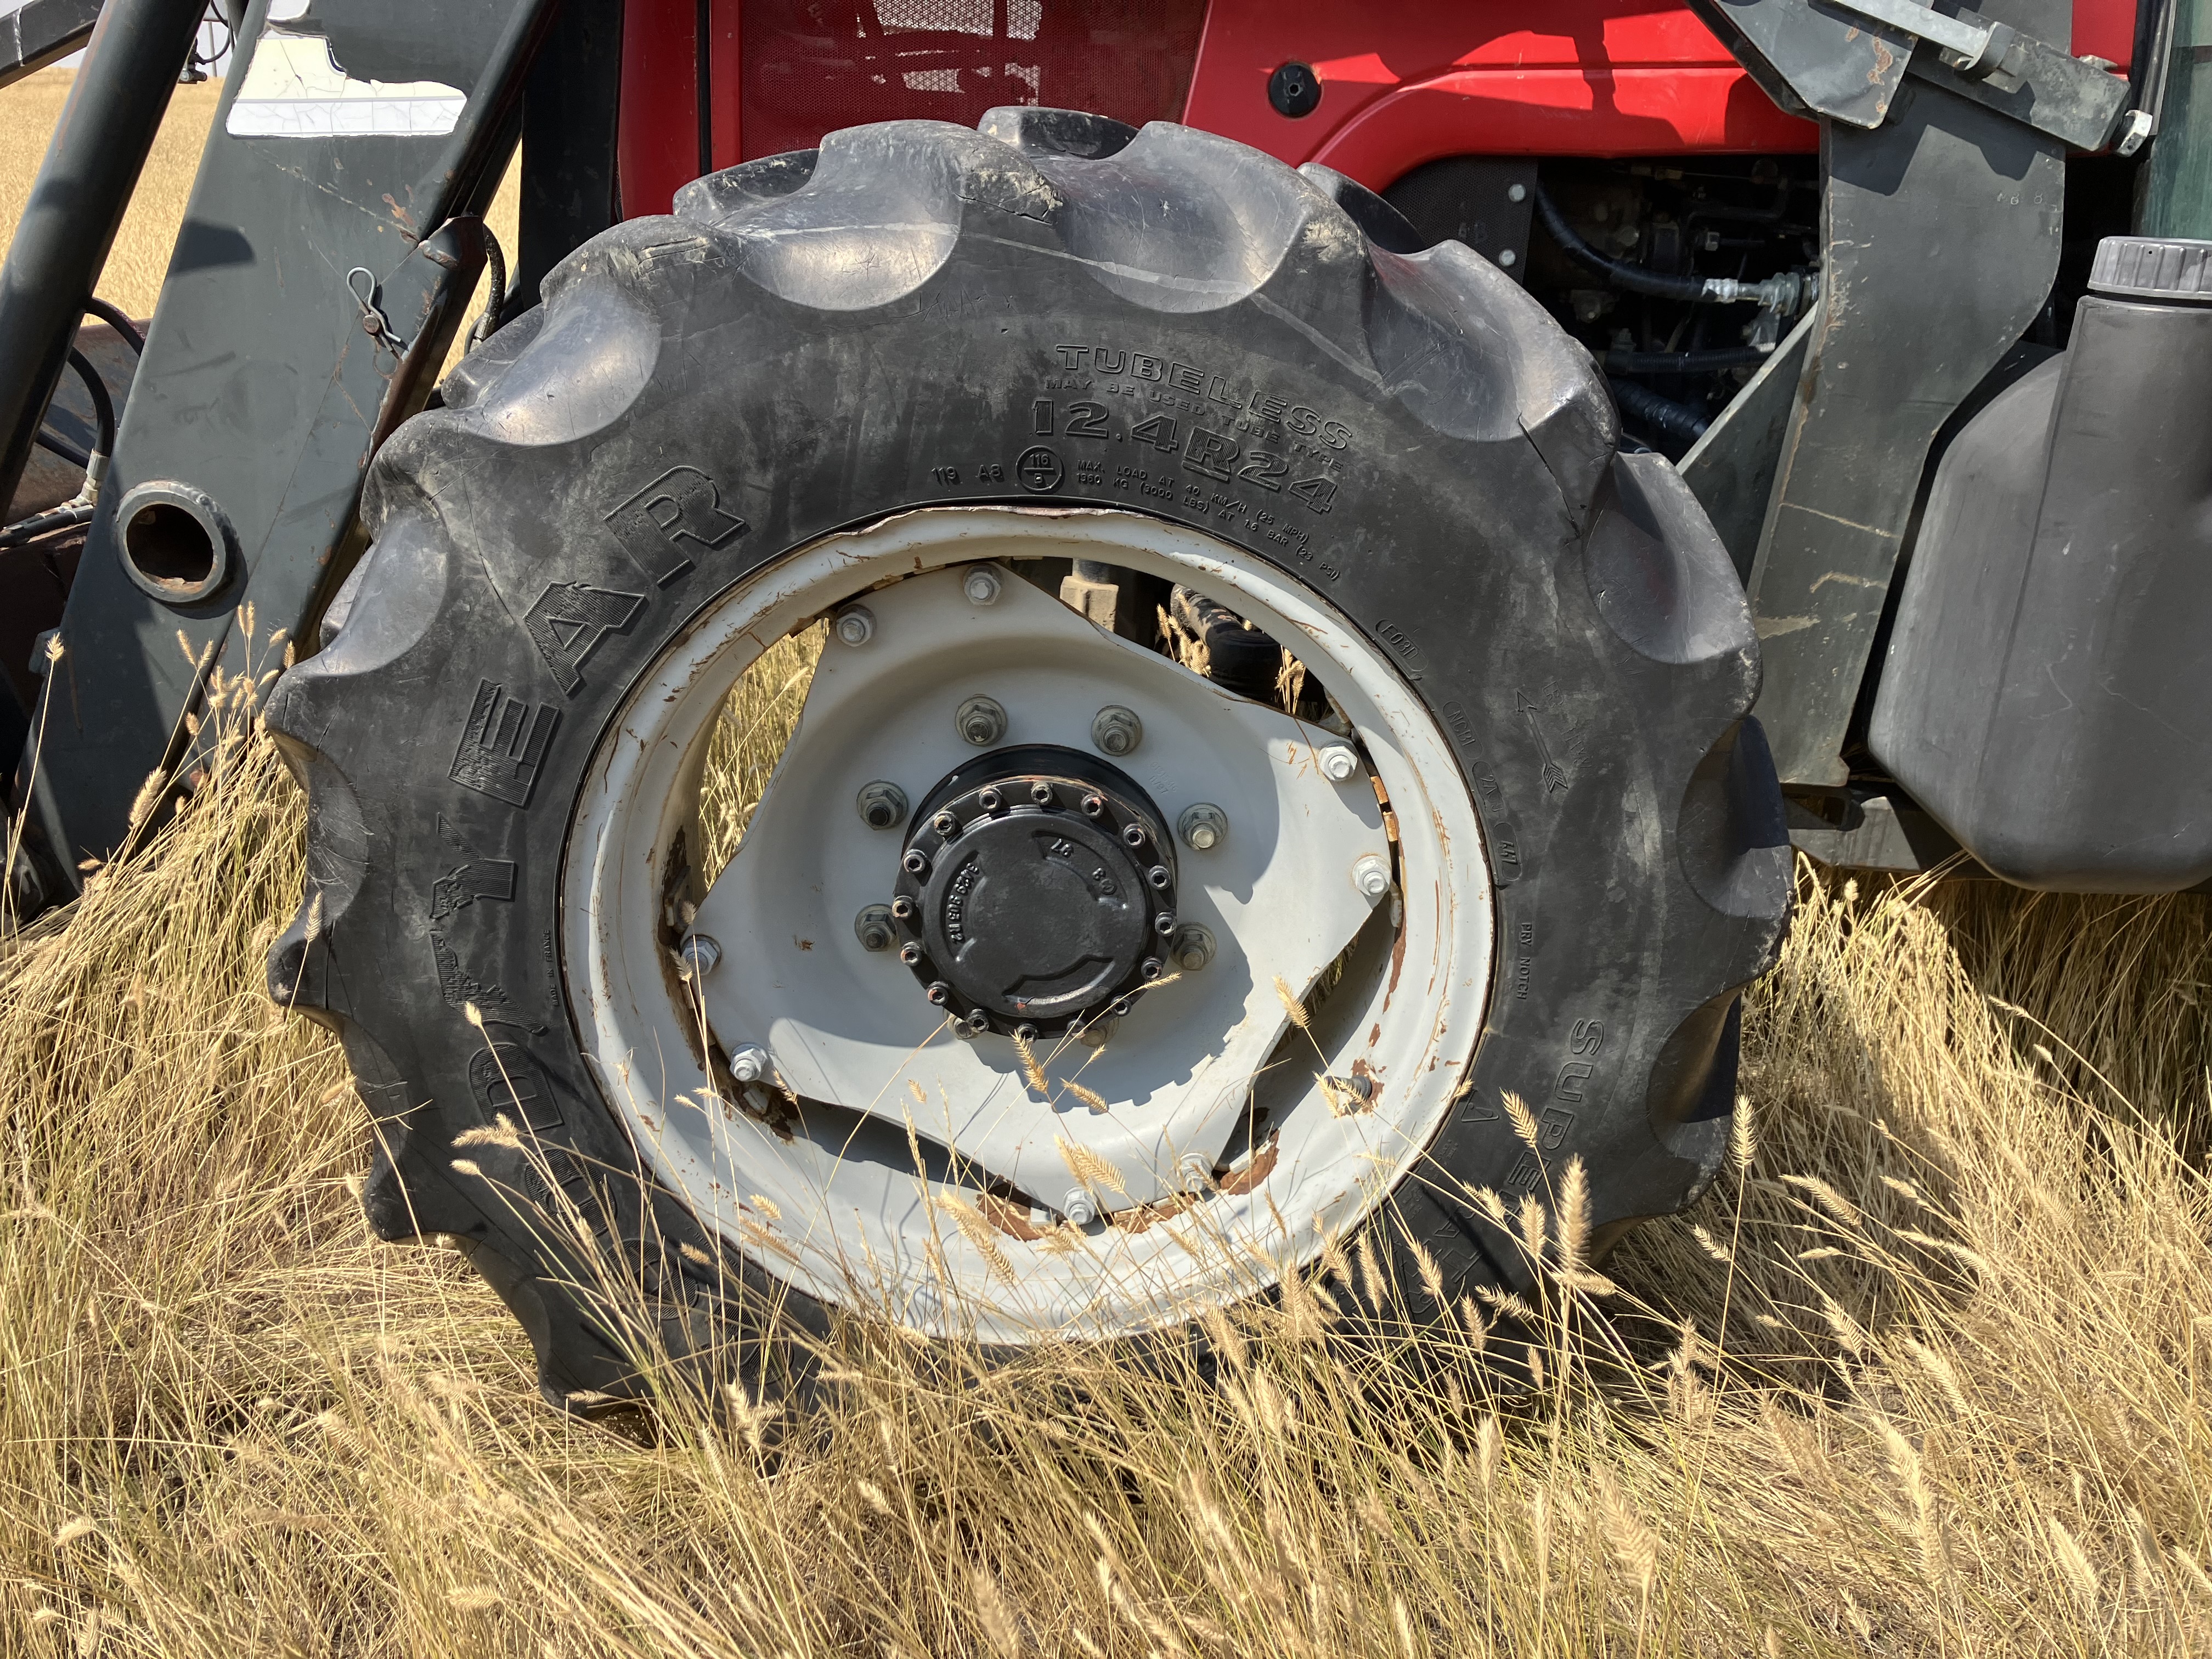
<point>1151,968</point>
<point>916,863</point>
<point>981,585</point>
<point>1093,806</point>
<point>1202,826</point>
<point>1079,1208</point>
<point>1516,192</point>
<point>1163,925</point>
<point>909,953</point>
<point>940,993</point>
<point>1339,764</point>
<point>1192,948</point>
<point>856,625</point>
<point>882,805</point>
<point>991,801</point>
<point>873,928</point>
<point>1372,876</point>
<point>1195,1173</point>
<point>903,907</point>
<point>750,1064</point>
<point>1132,834</point>
<point>698,956</point>
<point>1159,878</point>
<point>1115,730</point>
<point>982,721</point>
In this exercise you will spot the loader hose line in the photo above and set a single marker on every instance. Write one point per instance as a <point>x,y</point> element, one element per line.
<point>68,452</point>
<point>1635,278</point>
<point>1661,414</point>
<point>1686,363</point>
<point>103,406</point>
<point>117,319</point>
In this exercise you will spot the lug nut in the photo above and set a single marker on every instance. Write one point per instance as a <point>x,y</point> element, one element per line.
<point>981,585</point>
<point>856,624</point>
<point>1372,876</point>
<point>975,1024</point>
<point>750,1064</point>
<point>992,800</point>
<point>1115,730</point>
<point>939,992</point>
<point>1202,827</point>
<point>909,953</point>
<point>873,928</point>
<point>1339,763</point>
<point>1159,876</point>
<point>1133,834</point>
<point>1151,968</point>
<point>1040,794</point>
<point>1195,1173</point>
<point>1093,806</point>
<point>882,805</point>
<point>1026,1032</point>
<point>1163,925</point>
<point>1192,948</point>
<point>982,721</point>
<point>903,907</point>
<point>944,824</point>
<point>698,956</point>
<point>1079,1208</point>
<point>916,863</point>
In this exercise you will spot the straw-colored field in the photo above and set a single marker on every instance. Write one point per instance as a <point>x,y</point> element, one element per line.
<point>1923,1375</point>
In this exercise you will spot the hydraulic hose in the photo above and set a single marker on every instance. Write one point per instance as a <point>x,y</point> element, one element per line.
<point>1660,413</point>
<point>115,318</point>
<point>1684,362</point>
<point>103,406</point>
<point>1776,293</point>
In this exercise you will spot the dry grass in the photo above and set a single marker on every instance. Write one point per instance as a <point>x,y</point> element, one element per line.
<point>1922,1378</point>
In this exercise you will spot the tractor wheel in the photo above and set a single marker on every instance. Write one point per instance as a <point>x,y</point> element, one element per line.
<point>1046,963</point>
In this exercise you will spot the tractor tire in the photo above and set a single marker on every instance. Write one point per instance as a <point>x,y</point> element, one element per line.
<point>916,318</point>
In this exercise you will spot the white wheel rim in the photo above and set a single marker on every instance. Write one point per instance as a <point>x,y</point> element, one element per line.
<point>837,1209</point>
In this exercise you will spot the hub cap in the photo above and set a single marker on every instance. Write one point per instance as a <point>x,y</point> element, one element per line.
<point>1035,891</point>
<point>1037,980</point>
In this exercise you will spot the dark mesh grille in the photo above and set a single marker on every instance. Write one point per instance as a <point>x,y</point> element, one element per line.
<point>811,66</point>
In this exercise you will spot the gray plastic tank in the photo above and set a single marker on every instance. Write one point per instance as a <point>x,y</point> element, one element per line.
<point>2047,696</point>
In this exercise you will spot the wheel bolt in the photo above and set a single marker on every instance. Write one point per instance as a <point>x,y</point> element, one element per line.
<point>1151,968</point>
<point>992,800</point>
<point>909,953</point>
<point>1372,876</point>
<point>1027,1033</point>
<point>698,956</point>
<point>939,992</point>
<point>1133,834</point>
<point>882,805</point>
<point>856,624</point>
<point>982,721</point>
<point>1093,806</point>
<point>873,928</point>
<point>1196,1173</point>
<point>1040,794</point>
<point>1339,763</point>
<point>903,907</point>
<point>975,1024</point>
<point>1163,925</point>
<point>981,585</point>
<point>1159,876</point>
<point>1202,827</point>
<point>1115,730</point>
<point>944,824</point>
<point>750,1064</point>
<point>1079,1208</point>
<point>916,863</point>
<point>1192,948</point>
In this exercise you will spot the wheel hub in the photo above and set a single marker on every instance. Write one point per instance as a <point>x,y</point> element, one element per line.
<point>1036,892</point>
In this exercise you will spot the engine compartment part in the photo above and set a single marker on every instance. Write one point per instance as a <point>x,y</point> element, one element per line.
<point>2051,659</point>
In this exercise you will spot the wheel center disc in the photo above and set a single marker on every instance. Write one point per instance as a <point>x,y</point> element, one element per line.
<point>1036,890</point>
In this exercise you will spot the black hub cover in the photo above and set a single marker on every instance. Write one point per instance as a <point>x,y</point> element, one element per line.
<point>1035,889</point>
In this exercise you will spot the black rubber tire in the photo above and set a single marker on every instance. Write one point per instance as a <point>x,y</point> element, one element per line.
<point>799,348</point>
